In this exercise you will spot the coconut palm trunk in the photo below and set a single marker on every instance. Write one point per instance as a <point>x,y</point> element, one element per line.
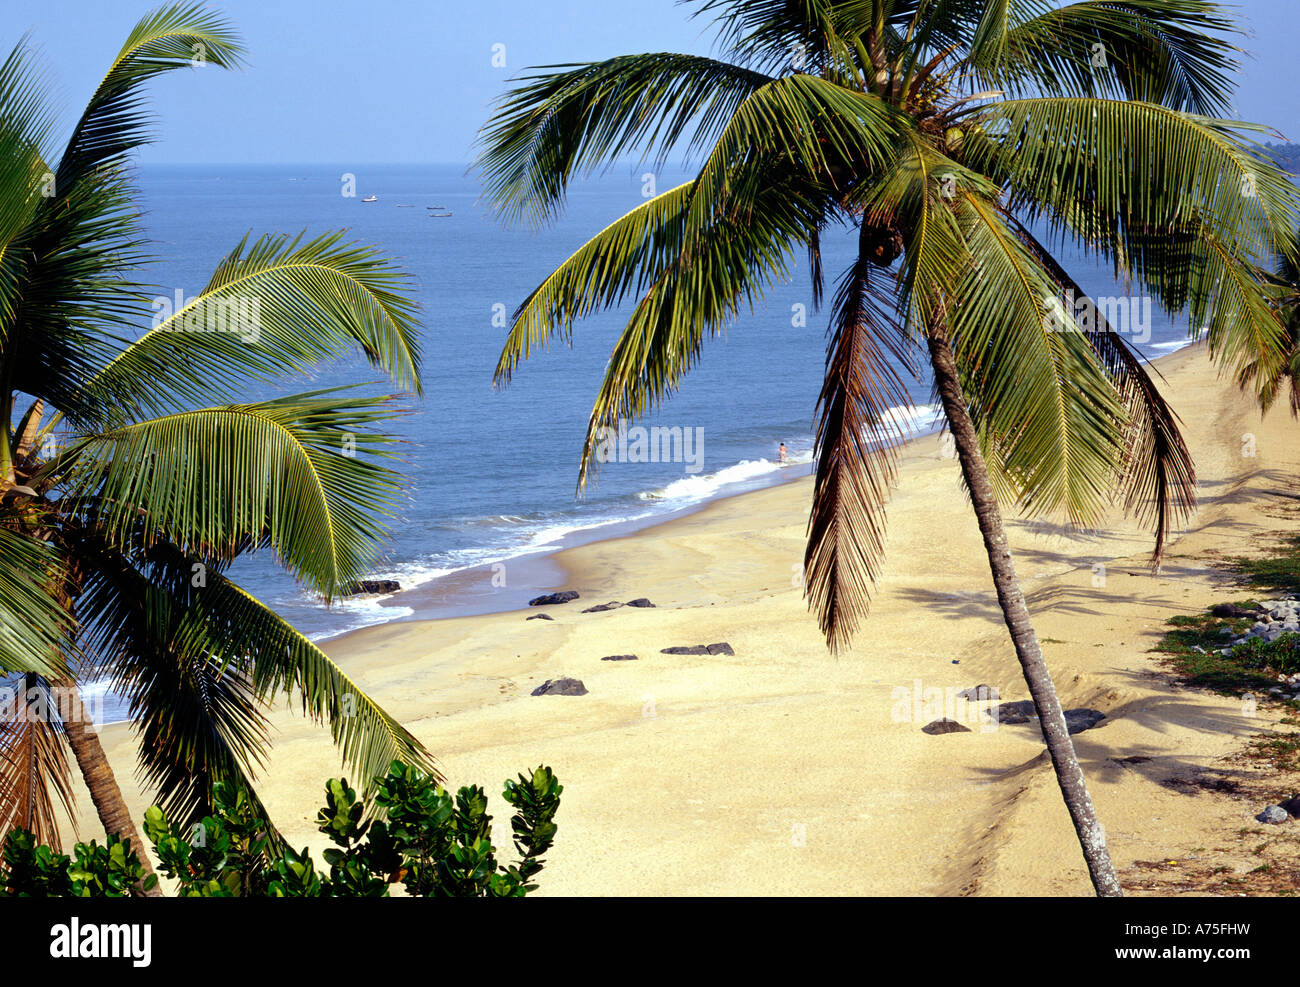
<point>113,812</point>
<point>1011,599</point>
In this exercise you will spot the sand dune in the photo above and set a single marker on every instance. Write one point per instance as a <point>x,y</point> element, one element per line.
<point>784,771</point>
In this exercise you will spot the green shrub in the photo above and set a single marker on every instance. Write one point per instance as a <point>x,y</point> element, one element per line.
<point>1281,655</point>
<point>430,843</point>
<point>31,870</point>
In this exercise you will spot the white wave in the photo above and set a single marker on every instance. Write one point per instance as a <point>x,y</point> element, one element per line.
<point>363,617</point>
<point>550,535</point>
<point>103,705</point>
<point>704,485</point>
<point>1171,346</point>
<point>913,420</point>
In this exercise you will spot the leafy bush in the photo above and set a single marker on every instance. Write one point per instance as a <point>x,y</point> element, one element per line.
<point>31,870</point>
<point>1281,655</point>
<point>430,843</point>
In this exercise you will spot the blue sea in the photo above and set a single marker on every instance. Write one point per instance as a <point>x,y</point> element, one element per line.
<point>492,473</point>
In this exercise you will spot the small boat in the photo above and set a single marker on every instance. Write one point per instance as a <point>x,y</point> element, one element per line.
<point>371,198</point>
<point>435,207</point>
<point>404,205</point>
<point>439,215</point>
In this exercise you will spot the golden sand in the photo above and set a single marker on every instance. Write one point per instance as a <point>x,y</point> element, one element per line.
<point>782,770</point>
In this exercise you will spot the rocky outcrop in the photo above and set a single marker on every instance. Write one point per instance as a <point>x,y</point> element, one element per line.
<point>550,599</point>
<point>1076,720</point>
<point>561,687</point>
<point>944,726</point>
<point>372,586</point>
<point>721,648</point>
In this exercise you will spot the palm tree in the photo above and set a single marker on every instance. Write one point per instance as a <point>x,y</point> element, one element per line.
<point>947,132</point>
<point>1271,377</point>
<point>132,482</point>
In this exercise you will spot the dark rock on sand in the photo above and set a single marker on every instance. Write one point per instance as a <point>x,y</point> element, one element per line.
<point>1017,712</point>
<point>720,648</point>
<point>562,597</point>
<point>1076,720</point>
<point>1274,815</point>
<point>979,692</point>
<point>561,687</point>
<point>1228,610</point>
<point>1292,805</point>
<point>540,616</point>
<point>1079,720</point>
<point>372,586</point>
<point>620,658</point>
<point>640,601</point>
<point>602,607</point>
<point>944,726</point>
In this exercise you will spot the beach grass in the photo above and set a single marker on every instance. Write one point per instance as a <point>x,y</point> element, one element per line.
<point>1277,570</point>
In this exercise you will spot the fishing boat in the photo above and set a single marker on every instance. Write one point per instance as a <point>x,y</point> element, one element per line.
<point>371,198</point>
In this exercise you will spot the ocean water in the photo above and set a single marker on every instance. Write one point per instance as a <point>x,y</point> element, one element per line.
<point>492,473</point>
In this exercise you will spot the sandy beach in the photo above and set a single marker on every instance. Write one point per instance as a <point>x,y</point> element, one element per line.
<point>781,770</point>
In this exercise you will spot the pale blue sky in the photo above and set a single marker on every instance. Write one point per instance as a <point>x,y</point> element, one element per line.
<point>340,81</point>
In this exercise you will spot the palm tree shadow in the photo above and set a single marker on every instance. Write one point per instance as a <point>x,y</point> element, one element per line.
<point>1084,600</point>
<point>1160,714</point>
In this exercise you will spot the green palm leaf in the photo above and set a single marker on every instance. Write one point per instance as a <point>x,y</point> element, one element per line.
<point>622,259</point>
<point>1135,173</point>
<point>1158,481</point>
<point>35,627</point>
<point>113,123</point>
<point>1046,411</point>
<point>292,474</point>
<point>25,128</point>
<point>570,119</point>
<point>67,295</point>
<point>1172,52</point>
<point>278,305</point>
<point>199,658</point>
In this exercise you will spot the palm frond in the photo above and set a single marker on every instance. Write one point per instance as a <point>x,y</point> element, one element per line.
<point>1116,172</point>
<point>622,259</point>
<point>815,36</point>
<point>35,775</point>
<point>857,435</point>
<point>294,474</point>
<point>200,659</point>
<point>1158,481</point>
<point>69,295</point>
<point>1184,204</point>
<point>35,628</point>
<point>25,127</point>
<point>1173,52</point>
<point>113,123</point>
<point>1050,421</point>
<point>567,120</point>
<point>277,306</point>
<point>721,259</point>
